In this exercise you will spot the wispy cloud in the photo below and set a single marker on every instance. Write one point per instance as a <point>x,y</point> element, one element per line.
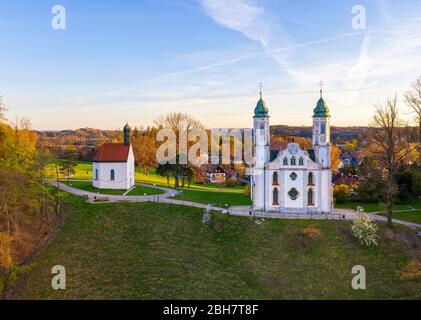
<point>391,49</point>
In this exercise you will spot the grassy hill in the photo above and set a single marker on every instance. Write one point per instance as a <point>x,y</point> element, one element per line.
<point>158,251</point>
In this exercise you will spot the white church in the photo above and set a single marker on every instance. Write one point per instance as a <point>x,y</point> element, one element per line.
<point>113,164</point>
<point>291,179</point>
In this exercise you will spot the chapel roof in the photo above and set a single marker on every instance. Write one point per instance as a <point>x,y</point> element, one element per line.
<point>112,152</point>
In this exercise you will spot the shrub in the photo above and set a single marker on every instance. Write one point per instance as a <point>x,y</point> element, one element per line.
<point>365,229</point>
<point>312,232</point>
<point>341,193</point>
<point>247,190</point>
<point>411,271</point>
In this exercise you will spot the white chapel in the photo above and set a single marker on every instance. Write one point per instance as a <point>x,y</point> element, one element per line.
<point>291,179</point>
<point>113,164</point>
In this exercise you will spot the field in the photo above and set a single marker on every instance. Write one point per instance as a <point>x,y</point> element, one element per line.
<point>83,170</point>
<point>413,216</point>
<point>219,199</point>
<point>158,251</point>
<point>372,207</point>
<point>412,209</point>
<point>138,190</point>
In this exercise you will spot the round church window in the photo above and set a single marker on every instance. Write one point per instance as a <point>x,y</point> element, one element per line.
<point>293,194</point>
<point>293,148</point>
<point>293,176</point>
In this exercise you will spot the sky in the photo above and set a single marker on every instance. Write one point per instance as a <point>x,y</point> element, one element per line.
<point>130,61</point>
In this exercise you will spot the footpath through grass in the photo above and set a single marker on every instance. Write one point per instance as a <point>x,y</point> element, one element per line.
<point>160,251</point>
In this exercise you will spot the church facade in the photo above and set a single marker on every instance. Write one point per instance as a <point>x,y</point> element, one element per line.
<point>289,178</point>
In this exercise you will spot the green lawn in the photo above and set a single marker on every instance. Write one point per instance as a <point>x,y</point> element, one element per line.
<point>416,204</point>
<point>87,186</point>
<point>154,178</point>
<point>160,251</point>
<point>214,198</point>
<point>83,170</point>
<point>142,190</point>
<point>413,216</point>
<point>137,191</point>
<point>372,207</point>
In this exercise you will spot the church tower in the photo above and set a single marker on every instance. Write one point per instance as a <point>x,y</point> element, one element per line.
<point>321,133</point>
<point>321,148</point>
<point>126,133</point>
<point>261,141</point>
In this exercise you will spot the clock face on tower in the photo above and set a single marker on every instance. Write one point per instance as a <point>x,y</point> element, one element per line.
<point>292,149</point>
<point>322,139</point>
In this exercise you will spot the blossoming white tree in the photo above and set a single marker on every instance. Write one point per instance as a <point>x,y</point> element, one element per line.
<point>365,229</point>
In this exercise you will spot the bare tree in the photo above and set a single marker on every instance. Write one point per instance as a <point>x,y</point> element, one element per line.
<point>179,122</point>
<point>413,100</point>
<point>390,145</point>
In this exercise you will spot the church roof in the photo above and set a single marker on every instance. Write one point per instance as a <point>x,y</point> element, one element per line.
<point>112,152</point>
<point>261,110</point>
<point>321,109</point>
<point>311,154</point>
<point>275,147</point>
<point>278,145</point>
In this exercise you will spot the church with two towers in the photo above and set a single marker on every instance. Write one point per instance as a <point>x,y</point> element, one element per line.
<point>290,178</point>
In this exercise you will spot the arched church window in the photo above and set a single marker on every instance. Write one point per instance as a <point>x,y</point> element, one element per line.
<point>112,175</point>
<point>301,161</point>
<point>310,197</point>
<point>275,196</point>
<point>96,174</point>
<point>275,178</point>
<point>310,178</point>
<point>285,161</point>
<point>323,128</point>
<point>293,161</point>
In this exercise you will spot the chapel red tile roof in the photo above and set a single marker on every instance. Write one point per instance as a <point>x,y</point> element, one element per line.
<point>112,152</point>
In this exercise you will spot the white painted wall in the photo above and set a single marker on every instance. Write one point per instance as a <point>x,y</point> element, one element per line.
<point>261,141</point>
<point>123,174</point>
